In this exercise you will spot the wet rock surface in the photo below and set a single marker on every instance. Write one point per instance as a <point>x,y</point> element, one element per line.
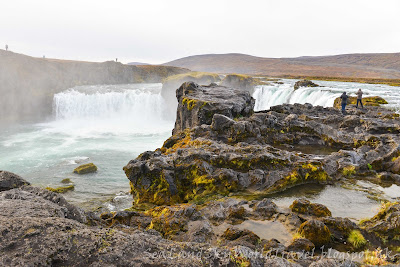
<point>40,228</point>
<point>9,180</point>
<point>304,83</point>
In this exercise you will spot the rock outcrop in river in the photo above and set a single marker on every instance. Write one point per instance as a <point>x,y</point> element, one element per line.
<point>222,153</point>
<point>171,83</point>
<point>219,146</point>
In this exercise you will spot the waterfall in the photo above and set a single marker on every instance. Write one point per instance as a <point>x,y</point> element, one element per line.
<point>115,107</point>
<point>267,96</point>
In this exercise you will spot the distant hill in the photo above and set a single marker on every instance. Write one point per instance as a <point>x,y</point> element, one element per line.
<point>28,84</point>
<point>138,63</point>
<point>384,66</point>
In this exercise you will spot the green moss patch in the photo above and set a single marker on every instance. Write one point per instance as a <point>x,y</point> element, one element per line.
<point>61,189</point>
<point>86,168</point>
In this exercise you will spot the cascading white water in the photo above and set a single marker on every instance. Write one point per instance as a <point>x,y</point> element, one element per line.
<point>268,96</point>
<point>112,108</point>
<point>104,124</point>
<point>271,95</point>
<point>74,104</point>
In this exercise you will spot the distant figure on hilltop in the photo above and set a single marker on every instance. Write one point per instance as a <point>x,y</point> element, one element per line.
<point>344,98</point>
<point>116,60</point>
<point>359,98</point>
<point>6,47</point>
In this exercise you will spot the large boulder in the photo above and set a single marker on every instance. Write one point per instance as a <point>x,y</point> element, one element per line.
<point>172,83</point>
<point>304,83</point>
<point>198,104</point>
<point>304,206</point>
<point>9,180</point>
<point>86,168</point>
<point>315,231</point>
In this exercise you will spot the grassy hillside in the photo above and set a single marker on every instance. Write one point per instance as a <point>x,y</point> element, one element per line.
<point>379,66</point>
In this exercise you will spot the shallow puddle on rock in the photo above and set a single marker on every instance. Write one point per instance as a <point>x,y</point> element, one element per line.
<point>264,229</point>
<point>340,201</point>
<point>391,193</point>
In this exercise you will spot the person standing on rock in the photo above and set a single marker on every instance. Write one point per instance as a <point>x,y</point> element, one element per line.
<point>6,47</point>
<point>344,98</point>
<point>359,98</point>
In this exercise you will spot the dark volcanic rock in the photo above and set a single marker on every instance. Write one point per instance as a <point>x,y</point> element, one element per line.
<point>219,146</point>
<point>300,244</point>
<point>172,83</point>
<point>304,83</point>
<point>40,228</point>
<point>315,231</point>
<point>266,208</point>
<point>304,206</point>
<point>9,180</point>
<point>198,104</point>
<point>386,223</point>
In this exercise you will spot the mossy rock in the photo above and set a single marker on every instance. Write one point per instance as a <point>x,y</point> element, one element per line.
<point>304,83</point>
<point>66,181</point>
<point>303,173</point>
<point>86,168</point>
<point>170,220</point>
<point>367,101</point>
<point>315,231</point>
<point>61,189</point>
<point>303,206</point>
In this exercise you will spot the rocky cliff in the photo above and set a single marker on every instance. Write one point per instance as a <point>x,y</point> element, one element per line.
<point>172,83</point>
<point>223,162</point>
<point>220,146</point>
<point>27,84</point>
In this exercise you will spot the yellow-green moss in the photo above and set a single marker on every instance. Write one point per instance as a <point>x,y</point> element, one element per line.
<point>349,170</point>
<point>66,181</point>
<point>306,173</point>
<point>166,219</point>
<point>356,239</point>
<point>86,168</point>
<point>61,189</point>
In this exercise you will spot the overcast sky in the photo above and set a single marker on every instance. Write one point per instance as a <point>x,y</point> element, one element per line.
<point>158,31</point>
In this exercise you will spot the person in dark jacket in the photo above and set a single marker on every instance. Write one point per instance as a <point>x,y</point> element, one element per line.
<point>359,98</point>
<point>344,98</point>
